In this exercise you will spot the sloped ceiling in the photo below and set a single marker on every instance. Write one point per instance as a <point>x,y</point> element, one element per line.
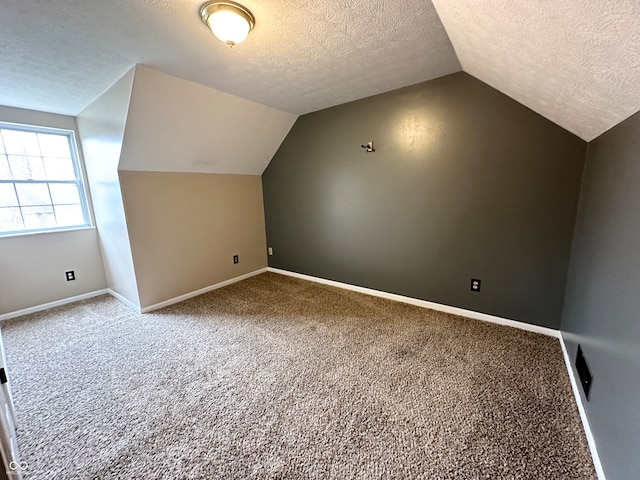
<point>303,55</point>
<point>576,62</point>
<point>174,125</point>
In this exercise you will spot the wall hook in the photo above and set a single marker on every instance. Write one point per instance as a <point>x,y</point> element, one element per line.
<point>369,147</point>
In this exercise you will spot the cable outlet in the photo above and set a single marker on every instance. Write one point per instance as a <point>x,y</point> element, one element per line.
<point>70,275</point>
<point>475,285</point>
<point>235,259</point>
<point>270,250</point>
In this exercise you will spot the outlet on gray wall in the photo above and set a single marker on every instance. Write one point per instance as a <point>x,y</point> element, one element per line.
<point>464,180</point>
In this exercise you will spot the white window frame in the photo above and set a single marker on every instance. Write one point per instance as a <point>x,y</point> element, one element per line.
<point>79,178</point>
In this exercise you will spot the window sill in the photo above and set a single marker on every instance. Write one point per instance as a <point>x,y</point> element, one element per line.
<point>46,232</point>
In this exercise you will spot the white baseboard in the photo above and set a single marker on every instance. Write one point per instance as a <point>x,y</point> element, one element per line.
<point>57,303</point>
<point>127,302</point>
<point>186,296</point>
<point>583,413</point>
<point>124,300</point>
<point>478,316</point>
<point>368,291</point>
<point>423,303</point>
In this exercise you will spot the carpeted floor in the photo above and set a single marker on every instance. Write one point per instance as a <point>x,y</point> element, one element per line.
<point>280,378</point>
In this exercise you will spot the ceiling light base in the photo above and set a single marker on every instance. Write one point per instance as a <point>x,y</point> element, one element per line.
<point>229,21</point>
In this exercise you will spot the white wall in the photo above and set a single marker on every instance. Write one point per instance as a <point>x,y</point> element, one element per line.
<point>147,121</point>
<point>190,164</point>
<point>102,130</point>
<point>32,266</point>
<point>179,126</point>
<point>185,229</point>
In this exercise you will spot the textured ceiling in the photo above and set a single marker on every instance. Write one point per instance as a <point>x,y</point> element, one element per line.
<point>576,62</point>
<point>303,55</point>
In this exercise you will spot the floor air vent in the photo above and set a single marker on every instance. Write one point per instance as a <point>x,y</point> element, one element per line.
<point>583,372</point>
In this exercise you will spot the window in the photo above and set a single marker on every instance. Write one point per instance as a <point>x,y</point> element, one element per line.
<point>40,180</point>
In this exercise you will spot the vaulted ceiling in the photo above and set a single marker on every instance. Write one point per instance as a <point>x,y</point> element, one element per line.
<point>576,62</point>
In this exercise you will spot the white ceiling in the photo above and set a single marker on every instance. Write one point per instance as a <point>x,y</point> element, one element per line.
<point>302,56</point>
<point>577,62</point>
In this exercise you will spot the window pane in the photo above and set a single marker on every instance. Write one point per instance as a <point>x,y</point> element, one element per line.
<point>10,219</point>
<point>7,195</point>
<point>69,215</point>
<point>20,143</point>
<point>54,145</point>
<point>64,193</point>
<point>59,168</point>
<point>39,189</point>
<point>26,168</point>
<point>19,166</point>
<point>36,168</point>
<point>38,217</point>
<point>33,194</point>
<point>5,173</point>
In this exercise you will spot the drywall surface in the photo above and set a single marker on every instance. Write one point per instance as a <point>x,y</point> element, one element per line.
<point>32,266</point>
<point>179,126</point>
<point>302,55</point>
<point>33,117</point>
<point>185,229</point>
<point>102,129</point>
<point>464,183</point>
<point>602,301</point>
<point>575,62</point>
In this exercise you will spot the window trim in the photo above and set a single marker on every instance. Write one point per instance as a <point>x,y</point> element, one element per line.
<point>77,169</point>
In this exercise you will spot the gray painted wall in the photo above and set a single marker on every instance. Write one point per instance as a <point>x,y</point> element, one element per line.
<point>602,298</point>
<point>465,182</point>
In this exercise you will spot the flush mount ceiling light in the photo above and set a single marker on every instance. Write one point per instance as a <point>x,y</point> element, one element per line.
<point>229,21</point>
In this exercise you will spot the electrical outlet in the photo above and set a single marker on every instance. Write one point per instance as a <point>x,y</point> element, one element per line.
<point>70,275</point>
<point>270,250</point>
<point>583,373</point>
<point>235,259</point>
<point>475,285</point>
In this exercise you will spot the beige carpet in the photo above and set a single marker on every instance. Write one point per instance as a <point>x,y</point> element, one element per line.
<point>280,378</point>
